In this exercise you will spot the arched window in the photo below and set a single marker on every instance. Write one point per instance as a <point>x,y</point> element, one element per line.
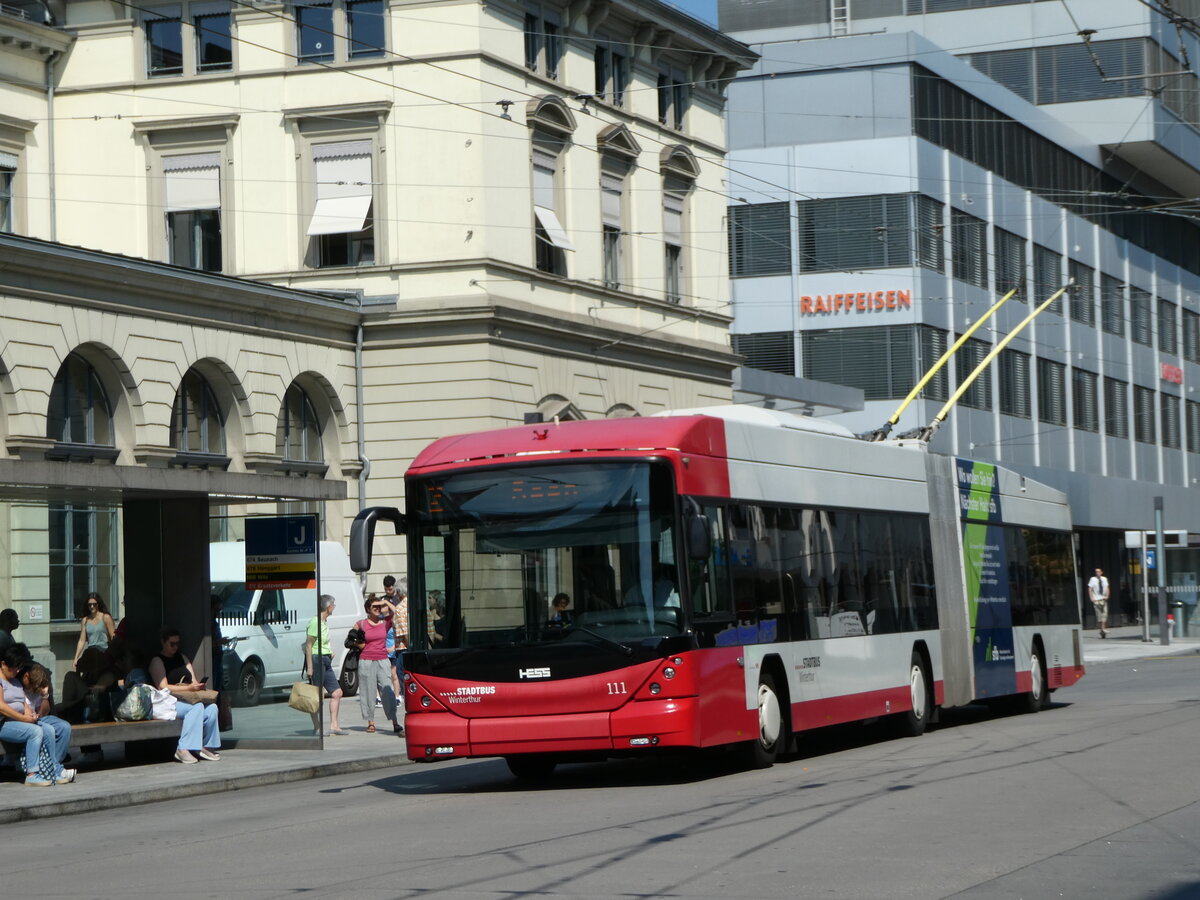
<point>299,435</point>
<point>79,409</point>
<point>196,422</point>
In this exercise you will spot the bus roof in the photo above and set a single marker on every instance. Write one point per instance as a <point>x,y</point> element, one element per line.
<point>700,434</point>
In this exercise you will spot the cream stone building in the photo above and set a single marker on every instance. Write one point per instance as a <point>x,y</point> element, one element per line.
<point>460,213</point>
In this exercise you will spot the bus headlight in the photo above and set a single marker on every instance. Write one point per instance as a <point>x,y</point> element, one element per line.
<point>655,687</point>
<point>426,701</point>
<point>668,672</point>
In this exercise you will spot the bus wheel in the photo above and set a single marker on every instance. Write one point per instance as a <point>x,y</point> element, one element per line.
<point>763,750</point>
<point>913,721</point>
<point>531,766</point>
<point>1038,697</point>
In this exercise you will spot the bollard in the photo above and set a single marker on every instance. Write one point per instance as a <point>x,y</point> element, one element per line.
<point>1175,618</point>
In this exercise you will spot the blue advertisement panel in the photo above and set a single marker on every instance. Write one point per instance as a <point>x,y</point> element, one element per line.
<point>985,564</point>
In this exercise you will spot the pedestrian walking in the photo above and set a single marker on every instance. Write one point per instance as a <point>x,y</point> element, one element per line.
<point>1098,594</point>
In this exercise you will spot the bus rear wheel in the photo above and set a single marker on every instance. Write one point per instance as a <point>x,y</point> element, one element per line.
<point>1038,696</point>
<point>762,752</point>
<point>531,766</point>
<point>914,721</point>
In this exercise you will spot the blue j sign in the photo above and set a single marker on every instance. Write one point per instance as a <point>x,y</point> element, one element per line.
<point>281,552</point>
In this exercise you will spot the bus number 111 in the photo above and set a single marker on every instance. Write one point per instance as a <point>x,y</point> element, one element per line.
<point>617,687</point>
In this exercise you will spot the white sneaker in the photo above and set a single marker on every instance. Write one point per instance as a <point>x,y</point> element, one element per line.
<point>65,777</point>
<point>185,757</point>
<point>210,755</point>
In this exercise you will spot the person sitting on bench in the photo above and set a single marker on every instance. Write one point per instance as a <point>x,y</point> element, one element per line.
<point>172,671</point>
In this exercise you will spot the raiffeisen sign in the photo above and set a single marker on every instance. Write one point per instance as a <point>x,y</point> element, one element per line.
<point>861,302</point>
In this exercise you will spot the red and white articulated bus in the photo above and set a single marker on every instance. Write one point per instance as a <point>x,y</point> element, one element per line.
<point>733,576</point>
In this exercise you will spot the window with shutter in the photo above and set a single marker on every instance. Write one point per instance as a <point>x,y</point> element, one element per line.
<point>1169,411</point>
<point>760,240</point>
<point>1143,414</point>
<point>772,351</point>
<point>1112,304</point>
<point>882,361</point>
<point>1010,263</point>
<point>968,358</point>
<point>1193,426</point>
<point>1116,408</point>
<point>1140,325</point>
<point>968,248</point>
<point>1014,383</point>
<point>1191,336</point>
<point>1047,277</point>
<point>1082,292</point>
<point>1083,389</point>
<point>1052,392</point>
<point>1167,341</point>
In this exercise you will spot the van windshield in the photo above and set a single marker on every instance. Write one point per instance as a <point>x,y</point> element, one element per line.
<point>235,599</point>
<point>526,554</point>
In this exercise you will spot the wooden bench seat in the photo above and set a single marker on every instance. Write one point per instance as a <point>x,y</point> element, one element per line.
<point>149,740</point>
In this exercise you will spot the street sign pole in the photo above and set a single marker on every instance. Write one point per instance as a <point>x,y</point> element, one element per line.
<point>1145,590</point>
<point>1164,628</point>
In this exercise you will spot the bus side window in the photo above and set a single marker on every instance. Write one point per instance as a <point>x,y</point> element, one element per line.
<point>710,579</point>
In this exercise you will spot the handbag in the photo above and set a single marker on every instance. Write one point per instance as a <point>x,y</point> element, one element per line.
<point>136,705</point>
<point>355,637</point>
<point>206,696</point>
<point>162,704</point>
<point>305,697</point>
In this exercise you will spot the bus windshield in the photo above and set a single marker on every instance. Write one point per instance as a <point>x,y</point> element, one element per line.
<point>527,554</point>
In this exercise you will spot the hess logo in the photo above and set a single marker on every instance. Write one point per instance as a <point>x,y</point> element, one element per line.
<point>539,672</point>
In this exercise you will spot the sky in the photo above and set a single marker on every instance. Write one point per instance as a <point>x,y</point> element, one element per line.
<point>705,10</point>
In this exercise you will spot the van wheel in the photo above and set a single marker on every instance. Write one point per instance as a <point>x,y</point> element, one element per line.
<point>250,684</point>
<point>348,682</point>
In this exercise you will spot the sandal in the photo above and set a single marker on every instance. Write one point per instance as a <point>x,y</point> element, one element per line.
<point>370,728</point>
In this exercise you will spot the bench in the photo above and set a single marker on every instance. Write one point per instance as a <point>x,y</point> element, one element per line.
<point>148,740</point>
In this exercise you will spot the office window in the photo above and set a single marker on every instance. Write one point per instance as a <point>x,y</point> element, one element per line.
<point>196,422</point>
<point>968,248</point>
<point>1141,329</point>
<point>551,243</point>
<point>298,436</point>
<point>612,72</point>
<point>163,27</point>
<point>1193,426</point>
<point>1167,340</point>
<point>760,240</point>
<point>968,358</point>
<point>1067,73</point>
<point>1014,383</point>
<point>314,31</point>
<point>82,543</point>
<point>771,351</point>
<point>8,175</point>
<point>192,185</point>
<point>1116,408</point>
<point>1168,405</point>
<point>873,232</point>
<point>212,24</point>
<point>1143,415</point>
<point>1086,400</point>
<point>342,229</point>
<point>1112,304</point>
<point>329,31</point>
<point>673,98</point>
<point>883,361</point>
<point>675,196</point>
<point>1011,68</point>
<point>1047,277</point>
<point>1082,292</point>
<point>613,174</point>
<point>1052,392</point>
<point>1010,263</point>
<point>1191,336</point>
<point>79,411</point>
<point>543,43</point>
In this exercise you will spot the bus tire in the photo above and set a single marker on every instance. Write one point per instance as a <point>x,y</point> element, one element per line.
<point>762,752</point>
<point>1038,697</point>
<point>913,721</point>
<point>531,766</point>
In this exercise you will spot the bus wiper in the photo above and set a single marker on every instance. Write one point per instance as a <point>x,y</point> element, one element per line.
<point>624,648</point>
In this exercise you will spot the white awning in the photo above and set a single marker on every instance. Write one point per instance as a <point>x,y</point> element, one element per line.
<point>193,181</point>
<point>8,160</point>
<point>339,215</point>
<point>344,190</point>
<point>553,228</point>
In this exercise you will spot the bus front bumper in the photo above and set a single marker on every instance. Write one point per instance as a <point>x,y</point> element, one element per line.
<point>639,725</point>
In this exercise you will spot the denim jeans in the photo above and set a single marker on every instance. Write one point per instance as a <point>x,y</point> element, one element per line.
<point>50,730</point>
<point>199,726</point>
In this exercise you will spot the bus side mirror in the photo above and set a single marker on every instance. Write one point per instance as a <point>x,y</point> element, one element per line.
<point>700,540</point>
<point>362,533</point>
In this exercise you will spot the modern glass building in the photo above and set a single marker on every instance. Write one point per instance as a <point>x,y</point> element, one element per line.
<point>898,165</point>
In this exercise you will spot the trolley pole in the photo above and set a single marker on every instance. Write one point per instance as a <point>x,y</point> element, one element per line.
<point>1164,629</point>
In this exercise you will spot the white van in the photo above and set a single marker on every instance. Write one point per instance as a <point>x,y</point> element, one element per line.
<point>266,629</point>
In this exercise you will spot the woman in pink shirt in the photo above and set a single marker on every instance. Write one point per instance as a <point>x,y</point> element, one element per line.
<point>374,669</point>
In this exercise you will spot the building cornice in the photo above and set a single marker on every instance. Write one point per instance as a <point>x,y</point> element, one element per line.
<point>32,38</point>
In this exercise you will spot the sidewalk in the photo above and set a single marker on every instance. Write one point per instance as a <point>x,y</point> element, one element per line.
<point>1126,643</point>
<point>113,784</point>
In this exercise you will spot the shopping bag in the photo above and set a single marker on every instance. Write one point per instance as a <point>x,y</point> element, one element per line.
<point>305,697</point>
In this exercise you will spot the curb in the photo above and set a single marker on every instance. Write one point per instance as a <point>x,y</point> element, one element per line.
<point>199,788</point>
